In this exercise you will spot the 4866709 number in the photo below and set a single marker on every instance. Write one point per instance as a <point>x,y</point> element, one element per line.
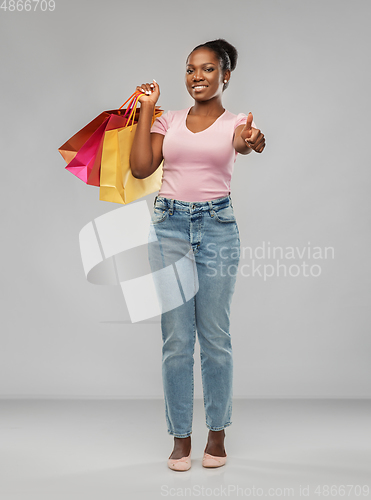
<point>28,5</point>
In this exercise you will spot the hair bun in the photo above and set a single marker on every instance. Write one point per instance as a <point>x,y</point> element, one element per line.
<point>230,50</point>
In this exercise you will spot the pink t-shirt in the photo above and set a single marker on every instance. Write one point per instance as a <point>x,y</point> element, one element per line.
<point>197,166</point>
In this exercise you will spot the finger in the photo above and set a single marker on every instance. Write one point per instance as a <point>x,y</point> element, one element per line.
<point>249,121</point>
<point>260,145</point>
<point>258,141</point>
<point>156,86</point>
<point>251,141</point>
<point>255,136</point>
<point>146,89</point>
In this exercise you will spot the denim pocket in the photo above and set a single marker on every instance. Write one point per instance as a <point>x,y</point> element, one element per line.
<point>159,214</point>
<point>225,214</point>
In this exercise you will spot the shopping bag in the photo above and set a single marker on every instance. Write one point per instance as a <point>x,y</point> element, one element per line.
<point>71,147</point>
<point>117,183</point>
<point>86,163</point>
<point>83,151</point>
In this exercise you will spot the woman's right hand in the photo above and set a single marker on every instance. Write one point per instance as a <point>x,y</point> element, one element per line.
<point>152,92</point>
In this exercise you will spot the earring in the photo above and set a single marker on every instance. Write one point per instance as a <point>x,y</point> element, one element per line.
<point>225,81</point>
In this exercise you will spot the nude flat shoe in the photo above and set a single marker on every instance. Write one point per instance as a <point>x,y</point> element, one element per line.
<point>212,461</point>
<point>180,464</point>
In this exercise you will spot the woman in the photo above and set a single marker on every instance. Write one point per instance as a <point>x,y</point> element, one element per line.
<point>199,146</point>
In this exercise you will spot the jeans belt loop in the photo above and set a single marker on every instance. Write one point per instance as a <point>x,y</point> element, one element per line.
<point>154,203</point>
<point>171,207</point>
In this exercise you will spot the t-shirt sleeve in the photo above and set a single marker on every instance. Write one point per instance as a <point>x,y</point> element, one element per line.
<point>241,120</point>
<point>160,125</point>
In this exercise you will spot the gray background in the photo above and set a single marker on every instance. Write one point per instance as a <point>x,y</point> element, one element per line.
<point>303,72</point>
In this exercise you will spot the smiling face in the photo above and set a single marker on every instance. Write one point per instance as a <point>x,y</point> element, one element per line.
<point>204,77</point>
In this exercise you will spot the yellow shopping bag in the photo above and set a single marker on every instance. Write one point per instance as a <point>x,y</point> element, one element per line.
<point>117,183</point>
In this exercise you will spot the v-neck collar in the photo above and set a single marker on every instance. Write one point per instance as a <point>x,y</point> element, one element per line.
<point>200,132</point>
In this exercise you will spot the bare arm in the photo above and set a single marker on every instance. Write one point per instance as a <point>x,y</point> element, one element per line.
<point>146,151</point>
<point>239,144</point>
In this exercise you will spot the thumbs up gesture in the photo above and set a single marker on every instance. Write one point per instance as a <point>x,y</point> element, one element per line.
<point>253,136</point>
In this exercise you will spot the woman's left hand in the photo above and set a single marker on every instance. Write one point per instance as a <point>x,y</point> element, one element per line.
<point>253,136</point>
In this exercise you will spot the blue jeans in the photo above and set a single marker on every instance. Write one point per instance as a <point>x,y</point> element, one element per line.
<point>210,229</point>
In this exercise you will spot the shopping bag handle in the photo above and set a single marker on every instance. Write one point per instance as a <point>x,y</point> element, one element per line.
<point>137,92</point>
<point>130,106</point>
<point>133,104</point>
<point>132,114</point>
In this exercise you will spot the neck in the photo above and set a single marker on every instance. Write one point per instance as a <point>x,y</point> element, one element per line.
<point>208,108</point>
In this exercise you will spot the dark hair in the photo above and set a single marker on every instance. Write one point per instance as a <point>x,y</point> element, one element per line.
<point>226,53</point>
